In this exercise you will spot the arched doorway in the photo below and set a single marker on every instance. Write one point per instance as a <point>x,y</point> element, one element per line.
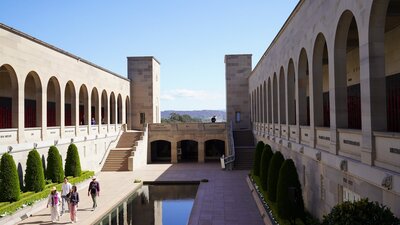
<point>321,83</point>
<point>303,89</point>
<point>160,151</point>
<point>347,73</point>
<point>291,97</point>
<point>53,103</point>
<point>94,101</point>
<point>83,106</point>
<point>104,108</point>
<point>214,149</point>
<point>33,100</point>
<point>70,104</point>
<point>8,98</point>
<point>282,97</point>
<point>187,151</point>
<point>119,109</point>
<point>275,99</point>
<point>112,108</point>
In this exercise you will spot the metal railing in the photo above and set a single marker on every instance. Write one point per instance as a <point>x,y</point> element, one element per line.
<point>227,162</point>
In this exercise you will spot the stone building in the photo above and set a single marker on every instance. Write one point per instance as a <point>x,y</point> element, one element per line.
<point>326,94</point>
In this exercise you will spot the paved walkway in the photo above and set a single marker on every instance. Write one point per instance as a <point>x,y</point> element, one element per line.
<point>224,200</point>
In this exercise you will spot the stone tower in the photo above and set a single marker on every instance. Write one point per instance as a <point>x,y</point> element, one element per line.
<point>144,73</point>
<point>237,71</point>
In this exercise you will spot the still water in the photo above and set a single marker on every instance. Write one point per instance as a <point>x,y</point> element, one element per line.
<point>160,204</point>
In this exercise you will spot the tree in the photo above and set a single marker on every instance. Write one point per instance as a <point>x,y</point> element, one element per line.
<point>264,166</point>
<point>54,170</point>
<point>9,182</point>
<point>273,174</point>
<point>177,118</point>
<point>34,174</point>
<point>289,195</point>
<point>72,162</point>
<point>257,158</point>
<point>361,212</point>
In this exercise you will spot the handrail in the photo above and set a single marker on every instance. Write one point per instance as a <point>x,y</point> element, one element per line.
<point>109,144</point>
<point>227,162</point>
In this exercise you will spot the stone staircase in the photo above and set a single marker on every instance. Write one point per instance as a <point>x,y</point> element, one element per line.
<point>244,149</point>
<point>117,159</point>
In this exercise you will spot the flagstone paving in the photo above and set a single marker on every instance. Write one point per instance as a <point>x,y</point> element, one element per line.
<point>224,200</point>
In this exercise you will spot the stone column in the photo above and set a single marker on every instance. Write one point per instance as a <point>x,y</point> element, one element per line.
<point>44,114</point>
<point>201,151</point>
<point>174,153</point>
<point>18,108</point>
<point>62,113</point>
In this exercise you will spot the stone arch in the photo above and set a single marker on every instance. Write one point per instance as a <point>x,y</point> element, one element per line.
<point>104,108</point>
<point>160,151</point>
<point>8,97</point>
<point>128,112</point>
<point>214,149</point>
<point>83,105</point>
<point>275,99</point>
<point>187,150</point>
<point>119,109</point>
<point>347,73</point>
<point>112,108</point>
<point>291,97</point>
<point>33,100</point>
<point>320,81</point>
<point>70,104</point>
<point>53,102</point>
<point>269,98</point>
<point>282,97</point>
<point>94,108</point>
<point>265,103</point>
<point>303,89</point>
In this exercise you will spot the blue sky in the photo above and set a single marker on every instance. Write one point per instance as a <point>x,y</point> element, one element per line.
<point>189,38</point>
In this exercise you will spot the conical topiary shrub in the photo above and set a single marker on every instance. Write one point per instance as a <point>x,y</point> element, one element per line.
<point>257,158</point>
<point>54,171</point>
<point>273,174</point>
<point>264,166</point>
<point>289,197</point>
<point>9,183</point>
<point>72,162</point>
<point>34,175</point>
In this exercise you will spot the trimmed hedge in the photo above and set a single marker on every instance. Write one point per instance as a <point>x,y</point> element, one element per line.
<point>30,198</point>
<point>257,158</point>
<point>9,180</point>
<point>34,175</point>
<point>290,202</point>
<point>54,171</point>
<point>361,212</point>
<point>273,174</point>
<point>264,166</point>
<point>72,162</point>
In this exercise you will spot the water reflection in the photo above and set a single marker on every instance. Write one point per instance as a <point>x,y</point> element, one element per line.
<point>154,205</point>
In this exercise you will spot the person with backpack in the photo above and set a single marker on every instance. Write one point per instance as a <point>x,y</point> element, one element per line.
<point>94,191</point>
<point>54,201</point>
<point>73,204</point>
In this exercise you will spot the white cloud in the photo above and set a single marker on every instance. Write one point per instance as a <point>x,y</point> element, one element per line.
<point>187,94</point>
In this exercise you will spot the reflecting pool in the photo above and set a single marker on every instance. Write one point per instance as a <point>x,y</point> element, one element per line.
<point>154,204</point>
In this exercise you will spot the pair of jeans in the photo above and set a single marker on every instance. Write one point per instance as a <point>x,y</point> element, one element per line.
<point>94,198</point>
<point>64,203</point>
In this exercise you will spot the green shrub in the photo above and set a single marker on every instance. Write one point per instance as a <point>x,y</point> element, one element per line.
<point>264,166</point>
<point>34,175</point>
<point>54,171</point>
<point>9,185</point>
<point>361,212</point>
<point>72,162</point>
<point>273,174</point>
<point>257,158</point>
<point>290,203</point>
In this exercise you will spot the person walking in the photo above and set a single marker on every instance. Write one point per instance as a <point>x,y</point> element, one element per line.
<point>94,191</point>
<point>65,190</point>
<point>54,202</point>
<point>73,204</point>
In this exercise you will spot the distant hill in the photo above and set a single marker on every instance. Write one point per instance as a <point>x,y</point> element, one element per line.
<point>204,115</point>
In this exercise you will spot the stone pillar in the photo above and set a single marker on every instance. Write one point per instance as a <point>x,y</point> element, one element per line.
<point>144,73</point>
<point>18,108</point>
<point>201,151</point>
<point>174,152</point>
<point>237,70</point>
<point>62,113</point>
<point>44,114</point>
